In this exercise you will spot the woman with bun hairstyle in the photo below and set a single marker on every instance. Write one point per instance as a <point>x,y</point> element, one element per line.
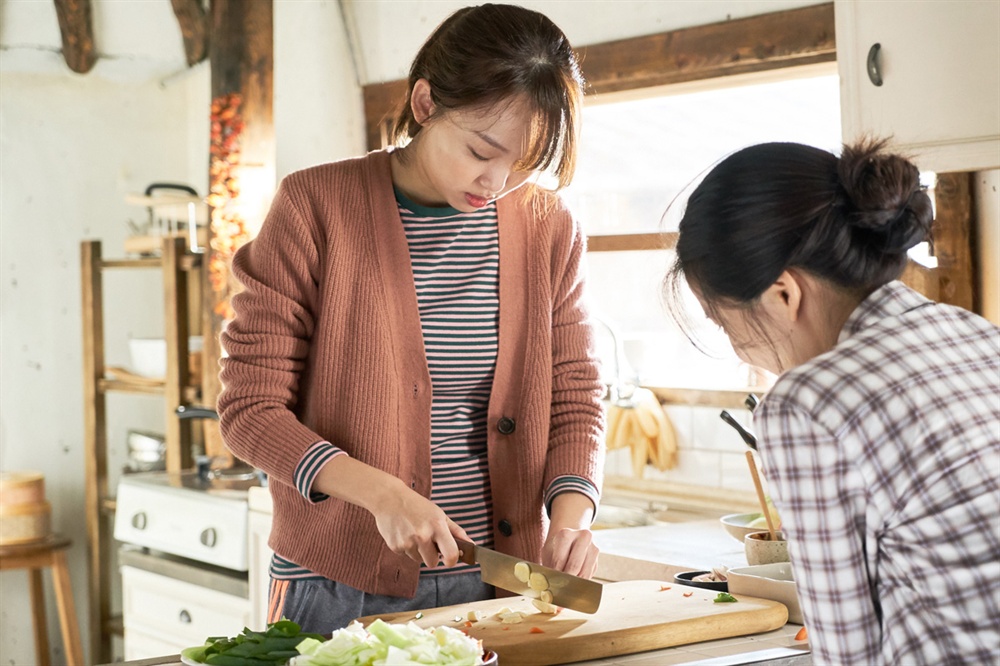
<point>880,438</point>
<point>411,360</point>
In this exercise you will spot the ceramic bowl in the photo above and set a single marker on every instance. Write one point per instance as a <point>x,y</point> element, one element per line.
<point>687,578</point>
<point>737,524</point>
<point>768,581</point>
<point>760,549</point>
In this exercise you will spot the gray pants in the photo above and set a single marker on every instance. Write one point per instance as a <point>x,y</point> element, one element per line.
<point>323,606</point>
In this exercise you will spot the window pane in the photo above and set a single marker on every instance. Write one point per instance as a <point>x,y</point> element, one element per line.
<point>635,157</point>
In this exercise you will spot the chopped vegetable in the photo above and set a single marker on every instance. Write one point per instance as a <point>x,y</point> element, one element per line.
<point>546,596</point>
<point>538,582</point>
<point>725,598</point>
<point>536,630</point>
<point>802,635</point>
<point>544,606</point>
<point>664,588</point>
<point>457,618</point>
<point>476,615</point>
<point>522,571</point>
<point>384,643</point>
<point>275,645</point>
<point>418,616</point>
<point>688,594</point>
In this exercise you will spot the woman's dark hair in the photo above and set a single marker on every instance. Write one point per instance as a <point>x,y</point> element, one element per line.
<point>769,207</point>
<point>482,55</point>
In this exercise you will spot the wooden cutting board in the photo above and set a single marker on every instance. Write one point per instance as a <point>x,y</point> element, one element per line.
<point>634,616</point>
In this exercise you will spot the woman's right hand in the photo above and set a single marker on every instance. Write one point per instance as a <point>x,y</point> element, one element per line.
<point>414,526</point>
<point>410,523</point>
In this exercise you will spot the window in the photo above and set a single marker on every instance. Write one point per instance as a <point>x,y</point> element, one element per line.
<point>636,157</point>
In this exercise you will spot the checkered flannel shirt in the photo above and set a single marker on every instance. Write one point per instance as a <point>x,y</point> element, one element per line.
<point>883,459</point>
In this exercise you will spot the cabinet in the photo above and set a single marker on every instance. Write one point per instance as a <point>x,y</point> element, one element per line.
<point>180,271</point>
<point>259,554</point>
<point>192,612</point>
<point>939,84</point>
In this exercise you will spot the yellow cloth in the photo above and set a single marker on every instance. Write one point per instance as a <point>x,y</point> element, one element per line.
<point>641,425</point>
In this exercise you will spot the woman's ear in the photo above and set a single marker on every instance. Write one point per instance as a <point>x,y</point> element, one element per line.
<point>421,102</point>
<point>783,299</point>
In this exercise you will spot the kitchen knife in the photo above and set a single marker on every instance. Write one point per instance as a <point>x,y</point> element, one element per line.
<point>567,590</point>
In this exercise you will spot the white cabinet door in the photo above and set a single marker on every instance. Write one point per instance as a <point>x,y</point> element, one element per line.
<point>259,556</point>
<point>940,93</point>
<point>160,611</point>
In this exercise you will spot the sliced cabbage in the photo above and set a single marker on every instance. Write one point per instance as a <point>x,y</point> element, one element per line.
<point>385,644</point>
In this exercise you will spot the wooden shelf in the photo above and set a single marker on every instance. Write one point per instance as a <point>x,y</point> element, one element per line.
<point>181,272</point>
<point>723,399</point>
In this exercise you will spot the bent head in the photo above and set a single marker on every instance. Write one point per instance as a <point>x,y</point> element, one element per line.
<point>493,97</point>
<point>781,241</point>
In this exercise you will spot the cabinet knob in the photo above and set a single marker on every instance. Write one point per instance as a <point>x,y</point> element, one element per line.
<point>208,537</point>
<point>184,617</point>
<point>874,69</point>
<point>139,520</point>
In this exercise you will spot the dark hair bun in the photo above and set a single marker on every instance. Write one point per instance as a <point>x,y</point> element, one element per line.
<point>883,197</point>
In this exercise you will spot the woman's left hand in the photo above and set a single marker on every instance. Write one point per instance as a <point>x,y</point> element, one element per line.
<point>571,551</point>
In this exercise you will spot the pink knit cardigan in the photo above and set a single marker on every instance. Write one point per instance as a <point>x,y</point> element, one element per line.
<point>326,345</point>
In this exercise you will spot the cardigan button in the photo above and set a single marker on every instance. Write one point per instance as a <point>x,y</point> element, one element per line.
<point>506,425</point>
<point>505,528</point>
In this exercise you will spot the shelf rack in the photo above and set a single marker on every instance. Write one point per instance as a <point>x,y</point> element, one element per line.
<point>178,267</point>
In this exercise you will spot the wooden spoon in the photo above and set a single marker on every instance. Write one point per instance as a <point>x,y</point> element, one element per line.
<point>760,495</point>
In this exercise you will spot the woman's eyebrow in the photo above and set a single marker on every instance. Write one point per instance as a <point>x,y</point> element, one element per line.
<point>490,140</point>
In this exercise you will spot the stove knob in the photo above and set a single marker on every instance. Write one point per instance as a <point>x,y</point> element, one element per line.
<point>139,520</point>
<point>208,537</point>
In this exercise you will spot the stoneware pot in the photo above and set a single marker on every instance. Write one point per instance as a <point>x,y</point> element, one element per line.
<point>761,550</point>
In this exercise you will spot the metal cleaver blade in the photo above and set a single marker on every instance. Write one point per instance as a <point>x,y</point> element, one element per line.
<point>567,590</point>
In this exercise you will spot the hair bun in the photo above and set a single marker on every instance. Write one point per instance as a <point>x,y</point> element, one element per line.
<point>884,197</point>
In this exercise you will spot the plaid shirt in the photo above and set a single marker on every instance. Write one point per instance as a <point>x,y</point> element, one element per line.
<point>883,458</point>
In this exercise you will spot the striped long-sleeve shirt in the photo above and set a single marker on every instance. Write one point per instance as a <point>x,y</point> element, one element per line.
<point>455,260</point>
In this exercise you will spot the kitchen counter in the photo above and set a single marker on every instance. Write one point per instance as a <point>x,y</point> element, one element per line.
<point>657,552</point>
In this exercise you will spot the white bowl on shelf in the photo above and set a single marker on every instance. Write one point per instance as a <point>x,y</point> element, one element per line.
<point>768,581</point>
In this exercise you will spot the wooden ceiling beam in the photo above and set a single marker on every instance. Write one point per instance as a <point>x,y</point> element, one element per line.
<point>77,34</point>
<point>194,29</point>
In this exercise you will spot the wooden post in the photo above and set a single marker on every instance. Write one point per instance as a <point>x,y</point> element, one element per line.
<point>242,61</point>
<point>95,450</point>
<point>176,333</point>
<point>77,34</point>
<point>954,241</point>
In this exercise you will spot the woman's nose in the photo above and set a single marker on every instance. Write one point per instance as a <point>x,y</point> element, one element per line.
<point>494,180</point>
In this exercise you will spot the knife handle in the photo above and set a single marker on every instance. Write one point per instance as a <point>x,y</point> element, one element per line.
<point>466,551</point>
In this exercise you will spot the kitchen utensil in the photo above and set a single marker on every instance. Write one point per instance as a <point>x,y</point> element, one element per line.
<point>760,494</point>
<point>768,581</point>
<point>751,402</point>
<point>746,435</point>
<point>765,548</point>
<point>635,616</point>
<point>498,570</point>
<point>146,451</point>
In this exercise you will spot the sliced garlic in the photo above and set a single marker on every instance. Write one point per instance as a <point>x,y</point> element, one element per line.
<point>544,606</point>
<point>522,571</point>
<point>546,596</point>
<point>538,582</point>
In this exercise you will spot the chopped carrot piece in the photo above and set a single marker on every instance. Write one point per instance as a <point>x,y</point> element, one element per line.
<point>688,594</point>
<point>468,623</point>
<point>505,628</point>
<point>664,588</point>
<point>802,635</point>
<point>536,630</point>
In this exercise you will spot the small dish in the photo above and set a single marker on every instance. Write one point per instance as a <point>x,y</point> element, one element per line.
<point>768,581</point>
<point>687,578</point>
<point>738,524</point>
<point>760,549</point>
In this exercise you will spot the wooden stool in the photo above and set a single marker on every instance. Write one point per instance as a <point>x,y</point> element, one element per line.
<point>35,556</point>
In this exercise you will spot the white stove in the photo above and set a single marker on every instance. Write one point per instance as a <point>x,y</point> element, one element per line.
<point>186,515</point>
